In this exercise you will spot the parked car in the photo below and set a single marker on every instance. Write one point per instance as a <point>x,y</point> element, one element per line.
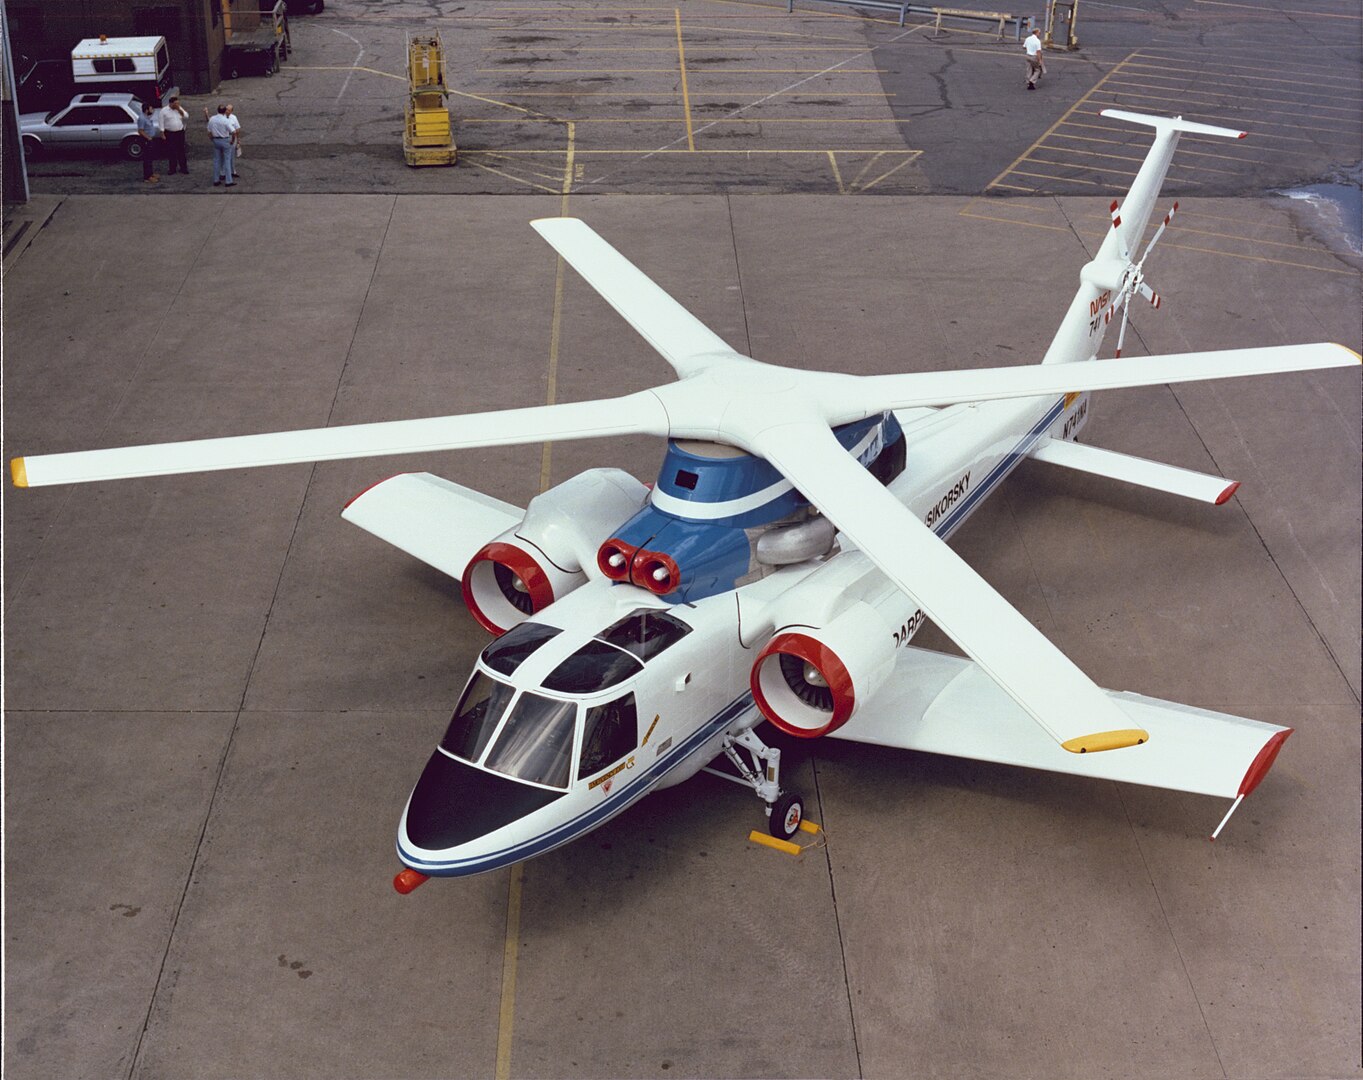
<point>88,121</point>
<point>42,84</point>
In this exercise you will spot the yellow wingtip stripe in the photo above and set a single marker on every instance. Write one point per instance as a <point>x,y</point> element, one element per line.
<point>1106,740</point>
<point>1351,352</point>
<point>18,472</point>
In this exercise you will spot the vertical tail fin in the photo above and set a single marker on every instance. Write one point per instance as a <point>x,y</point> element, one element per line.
<point>1115,272</point>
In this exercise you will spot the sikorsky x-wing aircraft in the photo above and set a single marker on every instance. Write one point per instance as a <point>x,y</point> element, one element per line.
<point>793,544</point>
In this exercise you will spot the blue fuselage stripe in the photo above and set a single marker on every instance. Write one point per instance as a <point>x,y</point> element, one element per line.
<point>950,522</point>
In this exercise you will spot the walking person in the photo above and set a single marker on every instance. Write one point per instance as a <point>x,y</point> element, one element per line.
<point>1036,59</point>
<point>148,133</point>
<point>236,136</point>
<point>220,131</point>
<point>173,117</point>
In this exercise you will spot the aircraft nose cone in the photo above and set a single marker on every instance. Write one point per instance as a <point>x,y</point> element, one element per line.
<point>454,803</point>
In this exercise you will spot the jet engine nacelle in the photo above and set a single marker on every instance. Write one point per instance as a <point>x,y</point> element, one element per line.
<point>552,551</point>
<point>810,681</point>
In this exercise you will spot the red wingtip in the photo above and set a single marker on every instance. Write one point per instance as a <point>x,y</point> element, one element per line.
<point>408,880</point>
<point>1259,767</point>
<point>1224,497</point>
<point>370,488</point>
<point>1242,134</point>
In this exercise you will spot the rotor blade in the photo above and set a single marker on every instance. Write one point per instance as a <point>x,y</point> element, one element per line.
<point>849,398</point>
<point>1121,329</point>
<point>683,340</point>
<point>640,413</point>
<point>1032,671</point>
<point>1159,232</point>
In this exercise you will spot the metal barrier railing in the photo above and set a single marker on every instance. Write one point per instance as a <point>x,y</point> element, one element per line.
<point>1022,24</point>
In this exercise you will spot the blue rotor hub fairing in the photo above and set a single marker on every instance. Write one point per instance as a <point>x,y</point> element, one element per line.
<point>702,507</point>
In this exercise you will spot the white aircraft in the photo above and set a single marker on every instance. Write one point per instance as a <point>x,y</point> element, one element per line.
<point>792,546</point>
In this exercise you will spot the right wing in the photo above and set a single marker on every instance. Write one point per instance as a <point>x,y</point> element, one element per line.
<point>946,705</point>
<point>441,523</point>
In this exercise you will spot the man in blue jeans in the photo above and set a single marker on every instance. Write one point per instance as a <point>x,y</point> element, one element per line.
<point>220,131</point>
<point>146,131</point>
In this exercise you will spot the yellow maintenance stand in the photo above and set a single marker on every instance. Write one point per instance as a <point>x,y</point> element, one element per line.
<point>427,138</point>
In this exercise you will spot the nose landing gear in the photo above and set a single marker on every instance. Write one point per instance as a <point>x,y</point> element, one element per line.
<point>785,809</point>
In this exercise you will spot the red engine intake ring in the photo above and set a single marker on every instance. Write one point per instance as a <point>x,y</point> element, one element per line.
<point>534,579</point>
<point>610,548</point>
<point>828,665</point>
<point>646,563</point>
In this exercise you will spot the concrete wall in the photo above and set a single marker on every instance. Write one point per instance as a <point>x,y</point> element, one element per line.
<point>192,28</point>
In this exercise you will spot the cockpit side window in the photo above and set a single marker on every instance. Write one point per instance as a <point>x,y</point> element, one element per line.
<point>537,742</point>
<point>609,732</point>
<point>646,632</point>
<point>593,667</point>
<point>476,717</point>
<point>509,651</point>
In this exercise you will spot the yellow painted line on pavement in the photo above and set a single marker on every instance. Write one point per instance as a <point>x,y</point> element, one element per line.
<point>686,94</point>
<point>1182,147</point>
<point>506,1014</point>
<point>1278,11</point>
<point>1255,106</point>
<point>820,93</point>
<point>1352,109</point>
<point>837,174</point>
<point>671,71</point>
<point>1212,68</point>
<point>793,150</point>
<point>853,184</point>
<point>1264,259</point>
<point>509,176</point>
<point>643,120</point>
<point>1049,176</point>
<point>888,172</point>
<point>1068,112</point>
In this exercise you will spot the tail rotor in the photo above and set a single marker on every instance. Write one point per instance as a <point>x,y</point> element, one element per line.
<point>1134,280</point>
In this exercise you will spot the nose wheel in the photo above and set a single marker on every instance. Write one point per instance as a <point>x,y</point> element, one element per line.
<point>759,767</point>
<point>785,815</point>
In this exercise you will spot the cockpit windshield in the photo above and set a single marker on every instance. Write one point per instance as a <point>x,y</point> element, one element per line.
<point>537,742</point>
<point>593,667</point>
<point>645,632</point>
<point>476,718</point>
<point>507,653</point>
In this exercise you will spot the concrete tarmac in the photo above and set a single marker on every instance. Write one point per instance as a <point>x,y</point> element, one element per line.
<point>218,694</point>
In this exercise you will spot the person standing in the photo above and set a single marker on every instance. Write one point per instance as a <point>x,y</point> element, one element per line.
<point>173,117</point>
<point>220,131</point>
<point>1036,60</point>
<point>146,131</point>
<point>236,135</point>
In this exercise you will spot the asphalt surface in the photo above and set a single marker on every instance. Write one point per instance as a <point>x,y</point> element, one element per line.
<point>218,694</point>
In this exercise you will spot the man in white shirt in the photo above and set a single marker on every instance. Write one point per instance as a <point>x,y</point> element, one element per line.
<point>220,131</point>
<point>1036,60</point>
<point>172,119</point>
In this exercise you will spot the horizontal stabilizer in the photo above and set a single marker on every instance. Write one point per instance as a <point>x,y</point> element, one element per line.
<point>1173,123</point>
<point>441,523</point>
<point>946,705</point>
<point>1134,470</point>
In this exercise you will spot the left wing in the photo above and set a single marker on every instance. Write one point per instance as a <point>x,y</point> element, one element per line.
<point>945,705</point>
<point>439,522</point>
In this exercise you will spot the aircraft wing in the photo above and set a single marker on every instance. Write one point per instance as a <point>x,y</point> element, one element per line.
<point>1043,681</point>
<point>439,522</point>
<point>947,705</point>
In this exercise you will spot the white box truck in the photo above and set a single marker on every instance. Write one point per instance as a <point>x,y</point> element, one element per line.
<point>133,65</point>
